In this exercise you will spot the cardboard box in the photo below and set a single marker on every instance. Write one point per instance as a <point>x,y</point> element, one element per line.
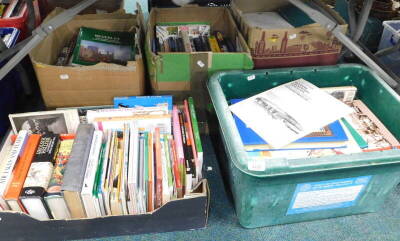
<point>306,45</point>
<point>88,85</point>
<point>176,72</point>
<point>182,214</point>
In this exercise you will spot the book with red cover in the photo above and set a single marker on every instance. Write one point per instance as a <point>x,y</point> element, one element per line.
<point>19,174</point>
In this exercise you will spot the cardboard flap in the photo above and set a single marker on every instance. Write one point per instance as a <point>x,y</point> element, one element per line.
<point>47,51</point>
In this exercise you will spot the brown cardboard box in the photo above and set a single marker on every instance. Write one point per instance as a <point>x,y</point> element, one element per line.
<point>178,72</point>
<point>302,46</point>
<point>89,85</point>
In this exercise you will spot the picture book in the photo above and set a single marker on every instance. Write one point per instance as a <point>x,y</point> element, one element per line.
<point>290,111</point>
<point>143,101</point>
<point>94,46</point>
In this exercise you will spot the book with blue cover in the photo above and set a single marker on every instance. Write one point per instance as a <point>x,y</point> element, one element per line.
<point>143,101</point>
<point>331,136</point>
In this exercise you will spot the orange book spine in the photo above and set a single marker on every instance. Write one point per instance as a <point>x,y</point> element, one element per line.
<point>159,169</point>
<point>21,170</point>
<point>150,188</point>
<point>175,166</point>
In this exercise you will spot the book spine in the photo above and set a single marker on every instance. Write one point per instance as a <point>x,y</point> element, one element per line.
<point>221,42</point>
<point>7,165</point>
<point>168,166</point>
<point>214,44</point>
<point>190,172</point>
<point>196,133</point>
<point>150,165</point>
<point>186,41</point>
<point>21,170</point>
<point>178,143</point>
<point>206,43</point>
<point>176,170</point>
<point>190,138</point>
<point>159,168</point>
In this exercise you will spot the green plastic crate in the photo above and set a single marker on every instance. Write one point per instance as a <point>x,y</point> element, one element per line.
<point>297,190</point>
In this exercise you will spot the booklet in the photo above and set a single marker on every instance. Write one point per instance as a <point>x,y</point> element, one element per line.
<point>290,111</point>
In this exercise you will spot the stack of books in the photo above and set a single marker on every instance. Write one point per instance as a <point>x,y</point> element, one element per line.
<point>119,161</point>
<point>91,46</point>
<point>355,130</point>
<point>188,37</point>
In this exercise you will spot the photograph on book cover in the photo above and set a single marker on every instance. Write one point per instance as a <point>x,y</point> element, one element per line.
<point>95,52</point>
<point>56,122</point>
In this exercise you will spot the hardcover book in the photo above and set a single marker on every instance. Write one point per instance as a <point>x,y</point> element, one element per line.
<point>75,170</point>
<point>94,46</point>
<point>38,177</point>
<point>53,197</point>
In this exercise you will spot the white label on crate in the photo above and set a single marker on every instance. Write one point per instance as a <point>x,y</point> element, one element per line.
<point>200,64</point>
<point>256,165</point>
<point>64,76</point>
<point>251,77</point>
<point>318,196</point>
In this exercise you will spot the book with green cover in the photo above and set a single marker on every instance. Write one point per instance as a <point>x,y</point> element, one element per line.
<point>196,132</point>
<point>94,46</point>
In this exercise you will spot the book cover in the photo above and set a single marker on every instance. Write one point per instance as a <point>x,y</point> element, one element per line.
<point>332,135</point>
<point>372,130</point>
<point>94,46</point>
<point>38,178</point>
<point>143,101</point>
<point>57,122</point>
<point>166,30</point>
<point>19,174</point>
<point>7,165</point>
<point>75,170</point>
<point>190,170</point>
<point>54,199</point>
<point>178,179</point>
<point>168,185</point>
<point>290,111</point>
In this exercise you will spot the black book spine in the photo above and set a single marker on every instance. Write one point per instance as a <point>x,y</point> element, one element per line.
<point>230,45</point>
<point>206,43</point>
<point>197,44</point>
<point>172,44</point>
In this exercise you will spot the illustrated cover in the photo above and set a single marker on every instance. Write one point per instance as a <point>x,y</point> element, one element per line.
<point>94,46</point>
<point>143,101</point>
<point>166,30</point>
<point>372,130</point>
<point>57,122</point>
<point>289,112</point>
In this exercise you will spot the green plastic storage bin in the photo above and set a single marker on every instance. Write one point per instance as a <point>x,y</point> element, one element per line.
<point>287,191</point>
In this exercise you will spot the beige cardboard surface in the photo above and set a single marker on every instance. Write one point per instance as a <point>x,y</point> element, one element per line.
<point>87,85</point>
<point>307,45</point>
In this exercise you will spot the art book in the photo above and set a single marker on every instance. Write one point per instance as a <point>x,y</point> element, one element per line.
<point>94,46</point>
<point>290,111</point>
<point>330,136</point>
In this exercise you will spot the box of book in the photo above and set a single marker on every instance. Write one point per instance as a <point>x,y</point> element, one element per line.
<point>184,46</point>
<point>281,35</point>
<point>91,59</point>
<point>292,156</point>
<point>131,170</point>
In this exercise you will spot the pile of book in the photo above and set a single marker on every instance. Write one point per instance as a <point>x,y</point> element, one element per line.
<point>119,161</point>
<point>291,108</point>
<point>13,8</point>
<point>188,37</point>
<point>91,46</point>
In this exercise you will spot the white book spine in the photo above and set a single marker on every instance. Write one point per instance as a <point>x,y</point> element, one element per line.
<point>165,188</point>
<point>90,174</point>
<point>7,165</point>
<point>133,167</point>
<point>124,179</point>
